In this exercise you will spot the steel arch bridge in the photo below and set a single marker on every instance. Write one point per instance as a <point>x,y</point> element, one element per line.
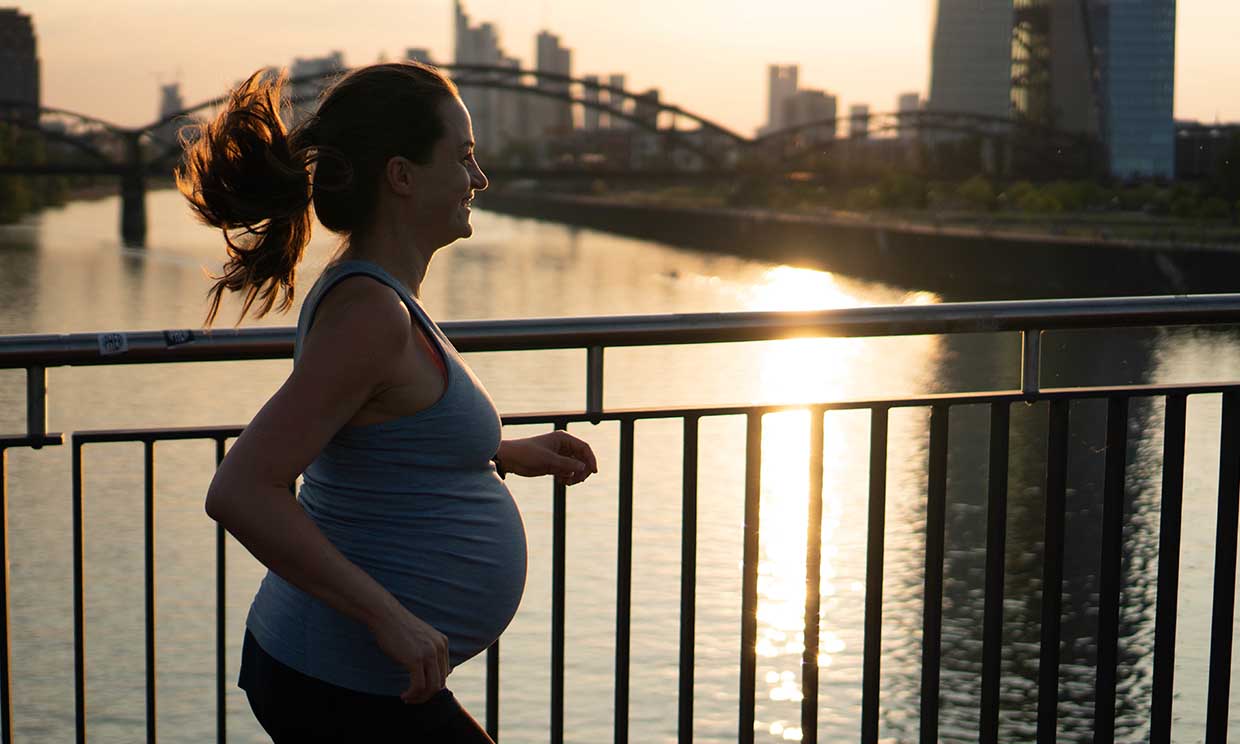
<point>136,153</point>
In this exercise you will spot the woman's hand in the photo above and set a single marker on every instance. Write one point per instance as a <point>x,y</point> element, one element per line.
<point>558,453</point>
<point>417,647</point>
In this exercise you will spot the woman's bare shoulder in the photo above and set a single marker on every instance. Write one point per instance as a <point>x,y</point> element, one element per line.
<point>361,313</point>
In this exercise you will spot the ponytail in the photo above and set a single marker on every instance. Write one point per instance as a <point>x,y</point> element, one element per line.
<point>251,179</point>
<point>248,177</point>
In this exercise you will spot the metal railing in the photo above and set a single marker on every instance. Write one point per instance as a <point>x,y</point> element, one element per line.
<point>36,354</point>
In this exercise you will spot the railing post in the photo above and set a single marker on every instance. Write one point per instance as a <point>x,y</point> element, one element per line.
<point>559,578</point>
<point>1030,360</point>
<point>594,381</point>
<point>79,597</point>
<point>751,542</point>
<point>221,620</point>
<point>36,403</point>
<point>149,576</point>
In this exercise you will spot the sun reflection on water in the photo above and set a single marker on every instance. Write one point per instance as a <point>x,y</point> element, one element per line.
<point>794,371</point>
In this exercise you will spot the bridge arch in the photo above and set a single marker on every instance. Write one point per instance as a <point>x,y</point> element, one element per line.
<point>946,121</point>
<point>80,144</point>
<point>500,77</point>
<point>1038,138</point>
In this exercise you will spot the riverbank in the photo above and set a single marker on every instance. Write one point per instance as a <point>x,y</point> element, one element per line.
<point>959,262</point>
<point>1105,226</point>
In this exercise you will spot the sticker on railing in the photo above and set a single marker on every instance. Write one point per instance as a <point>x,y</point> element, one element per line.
<point>113,343</point>
<point>176,338</point>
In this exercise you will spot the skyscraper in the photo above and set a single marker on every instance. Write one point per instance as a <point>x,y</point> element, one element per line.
<point>170,102</point>
<point>591,116</point>
<point>554,115</point>
<point>907,105</point>
<point>859,121</point>
<point>617,102</point>
<point>812,107</point>
<point>971,57</point>
<point>781,85</point>
<point>1051,64</point>
<point>19,63</point>
<point>497,114</point>
<point>1137,47</point>
<point>1103,68</point>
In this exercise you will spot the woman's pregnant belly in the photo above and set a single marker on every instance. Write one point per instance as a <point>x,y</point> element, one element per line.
<point>455,557</point>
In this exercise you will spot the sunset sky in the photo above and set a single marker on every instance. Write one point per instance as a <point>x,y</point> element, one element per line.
<point>707,56</point>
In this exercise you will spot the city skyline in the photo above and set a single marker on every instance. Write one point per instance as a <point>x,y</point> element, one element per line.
<point>699,60</point>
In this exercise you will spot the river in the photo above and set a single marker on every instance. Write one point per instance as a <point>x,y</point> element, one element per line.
<point>65,271</point>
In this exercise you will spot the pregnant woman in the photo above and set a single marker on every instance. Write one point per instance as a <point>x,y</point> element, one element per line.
<point>403,554</point>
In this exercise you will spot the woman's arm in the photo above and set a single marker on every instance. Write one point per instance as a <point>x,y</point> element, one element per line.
<point>360,334</point>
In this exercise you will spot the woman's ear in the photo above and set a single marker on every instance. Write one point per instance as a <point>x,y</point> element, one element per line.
<point>400,175</point>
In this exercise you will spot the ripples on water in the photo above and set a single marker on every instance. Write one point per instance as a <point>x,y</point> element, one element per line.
<point>65,272</point>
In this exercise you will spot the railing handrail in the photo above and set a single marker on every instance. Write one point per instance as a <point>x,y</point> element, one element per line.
<point>152,347</point>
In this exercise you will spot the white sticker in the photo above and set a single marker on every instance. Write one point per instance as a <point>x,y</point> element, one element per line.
<point>176,338</point>
<point>113,343</point>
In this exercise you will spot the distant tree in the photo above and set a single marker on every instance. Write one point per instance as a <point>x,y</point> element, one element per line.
<point>1214,208</point>
<point>977,193</point>
<point>22,194</point>
<point>15,196</point>
<point>902,191</point>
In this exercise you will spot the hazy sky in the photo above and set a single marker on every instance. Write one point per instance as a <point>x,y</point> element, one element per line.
<point>105,57</point>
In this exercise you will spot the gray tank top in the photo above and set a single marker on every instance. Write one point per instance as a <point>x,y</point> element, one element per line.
<point>417,504</point>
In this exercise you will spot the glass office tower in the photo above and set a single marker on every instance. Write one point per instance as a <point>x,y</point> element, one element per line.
<point>1136,44</point>
<point>971,67</point>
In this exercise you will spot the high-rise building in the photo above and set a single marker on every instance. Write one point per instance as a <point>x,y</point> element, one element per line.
<point>553,115</point>
<point>781,85</point>
<point>1104,68</point>
<point>1101,68</point>
<point>19,63</point>
<point>498,115</point>
<point>617,102</point>
<point>170,102</point>
<point>907,104</point>
<point>809,106</point>
<point>1051,81</point>
<point>591,117</point>
<point>859,121</point>
<point>1137,46</point>
<point>971,57</point>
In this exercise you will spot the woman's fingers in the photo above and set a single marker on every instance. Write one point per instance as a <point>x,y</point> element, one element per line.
<point>579,450</point>
<point>428,669</point>
<point>569,470</point>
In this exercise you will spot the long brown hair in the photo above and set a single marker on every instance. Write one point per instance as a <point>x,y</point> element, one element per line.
<point>254,180</point>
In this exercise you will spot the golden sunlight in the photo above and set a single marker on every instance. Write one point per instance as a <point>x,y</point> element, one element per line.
<point>811,370</point>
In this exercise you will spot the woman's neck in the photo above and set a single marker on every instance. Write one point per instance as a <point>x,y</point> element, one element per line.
<point>394,253</point>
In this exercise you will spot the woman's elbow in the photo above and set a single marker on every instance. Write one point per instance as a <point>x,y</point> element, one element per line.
<point>218,502</point>
<point>214,505</point>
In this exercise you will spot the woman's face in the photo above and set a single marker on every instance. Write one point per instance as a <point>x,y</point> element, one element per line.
<point>448,182</point>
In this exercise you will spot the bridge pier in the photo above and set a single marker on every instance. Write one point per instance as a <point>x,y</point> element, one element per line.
<point>133,193</point>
